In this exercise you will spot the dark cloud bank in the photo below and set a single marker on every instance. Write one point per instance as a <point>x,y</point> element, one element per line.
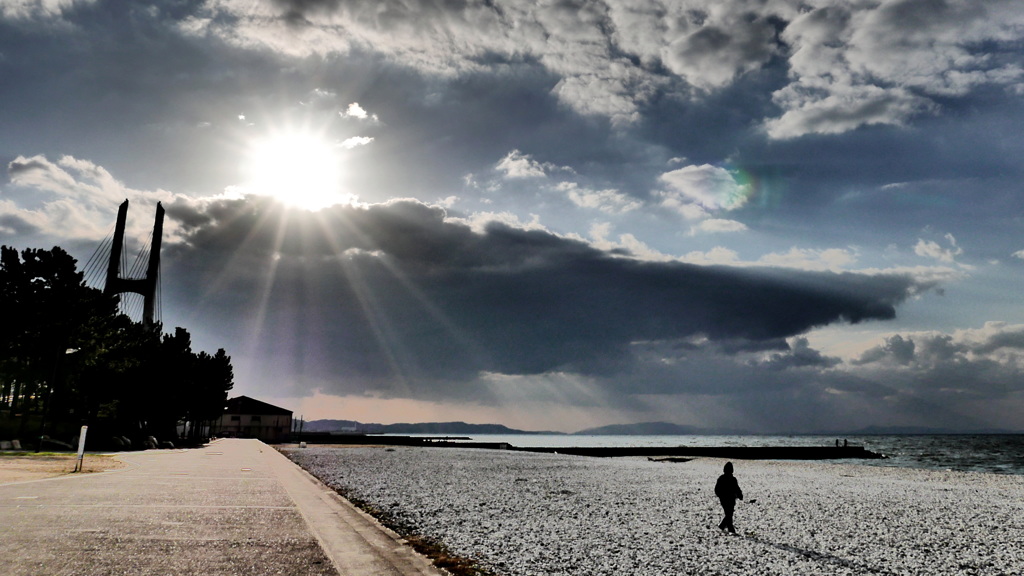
<point>396,290</point>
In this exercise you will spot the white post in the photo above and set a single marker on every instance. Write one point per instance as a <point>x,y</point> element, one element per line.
<point>81,449</point>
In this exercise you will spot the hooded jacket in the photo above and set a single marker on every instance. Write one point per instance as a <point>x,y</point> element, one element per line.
<point>727,488</point>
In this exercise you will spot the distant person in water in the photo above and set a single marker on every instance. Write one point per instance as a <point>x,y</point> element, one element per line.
<point>728,490</point>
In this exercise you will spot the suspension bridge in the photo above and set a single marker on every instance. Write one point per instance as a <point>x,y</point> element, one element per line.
<point>137,282</point>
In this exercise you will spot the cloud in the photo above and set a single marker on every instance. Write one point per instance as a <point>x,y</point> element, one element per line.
<point>356,141</point>
<point>932,249</point>
<point>799,355</point>
<point>928,45</point>
<point>712,55</point>
<point>965,369</point>
<point>608,201</point>
<point>807,259</point>
<point>711,187</point>
<point>36,9</point>
<point>849,65</point>
<point>70,199</point>
<point>960,380</point>
<point>626,244</point>
<point>843,109</point>
<point>887,63</point>
<point>997,342</point>
<point>519,165</point>
<point>896,350</point>
<point>321,99</point>
<point>718,225</point>
<point>396,292</point>
<point>479,221</point>
<point>354,110</point>
<point>717,255</point>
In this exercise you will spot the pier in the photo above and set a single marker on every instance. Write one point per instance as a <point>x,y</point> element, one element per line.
<point>732,452</point>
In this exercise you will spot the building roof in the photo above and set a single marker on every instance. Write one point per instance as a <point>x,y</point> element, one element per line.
<point>246,405</point>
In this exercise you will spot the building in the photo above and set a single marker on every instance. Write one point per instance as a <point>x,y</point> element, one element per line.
<point>246,417</point>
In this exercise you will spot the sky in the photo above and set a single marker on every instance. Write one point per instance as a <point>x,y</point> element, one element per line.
<point>767,215</point>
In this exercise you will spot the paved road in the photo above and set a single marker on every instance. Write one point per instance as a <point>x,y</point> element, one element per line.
<point>235,507</point>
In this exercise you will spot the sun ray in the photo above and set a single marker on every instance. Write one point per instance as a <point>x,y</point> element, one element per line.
<point>266,288</point>
<point>402,364</point>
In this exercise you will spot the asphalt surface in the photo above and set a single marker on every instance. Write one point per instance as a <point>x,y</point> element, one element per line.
<point>234,507</point>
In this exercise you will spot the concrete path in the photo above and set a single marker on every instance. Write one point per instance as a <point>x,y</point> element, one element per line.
<point>235,507</point>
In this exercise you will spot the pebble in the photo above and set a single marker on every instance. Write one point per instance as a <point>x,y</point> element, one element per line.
<point>520,514</point>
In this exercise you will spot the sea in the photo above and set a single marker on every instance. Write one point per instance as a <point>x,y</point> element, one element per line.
<point>992,453</point>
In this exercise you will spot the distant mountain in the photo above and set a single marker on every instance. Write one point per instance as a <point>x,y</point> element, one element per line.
<point>638,429</point>
<point>898,430</point>
<point>450,428</point>
<point>331,426</point>
<point>655,429</point>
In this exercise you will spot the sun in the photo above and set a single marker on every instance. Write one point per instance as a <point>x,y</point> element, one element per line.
<point>299,169</point>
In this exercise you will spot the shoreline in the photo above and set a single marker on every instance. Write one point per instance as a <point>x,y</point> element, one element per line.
<point>998,453</point>
<point>520,513</point>
<point>737,452</point>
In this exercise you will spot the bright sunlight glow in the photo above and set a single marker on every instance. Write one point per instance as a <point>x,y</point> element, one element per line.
<point>298,169</point>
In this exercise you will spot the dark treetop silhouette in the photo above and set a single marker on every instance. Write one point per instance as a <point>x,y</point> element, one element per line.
<point>68,358</point>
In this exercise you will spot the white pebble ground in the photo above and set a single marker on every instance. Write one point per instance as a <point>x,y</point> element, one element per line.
<point>522,514</point>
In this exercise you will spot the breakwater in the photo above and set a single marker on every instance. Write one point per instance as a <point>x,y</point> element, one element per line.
<point>733,452</point>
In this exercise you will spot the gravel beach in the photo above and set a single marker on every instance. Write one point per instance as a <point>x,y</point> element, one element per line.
<point>522,514</point>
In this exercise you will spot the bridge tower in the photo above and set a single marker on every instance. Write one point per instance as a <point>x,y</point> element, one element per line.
<point>145,286</point>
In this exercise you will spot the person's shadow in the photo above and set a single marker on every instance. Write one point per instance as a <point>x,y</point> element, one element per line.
<point>822,557</point>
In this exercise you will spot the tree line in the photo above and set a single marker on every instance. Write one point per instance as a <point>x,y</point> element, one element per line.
<point>68,358</point>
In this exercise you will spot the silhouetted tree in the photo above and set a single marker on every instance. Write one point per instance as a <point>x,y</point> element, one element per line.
<point>114,374</point>
<point>213,379</point>
<point>47,310</point>
<point>67,356</point>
